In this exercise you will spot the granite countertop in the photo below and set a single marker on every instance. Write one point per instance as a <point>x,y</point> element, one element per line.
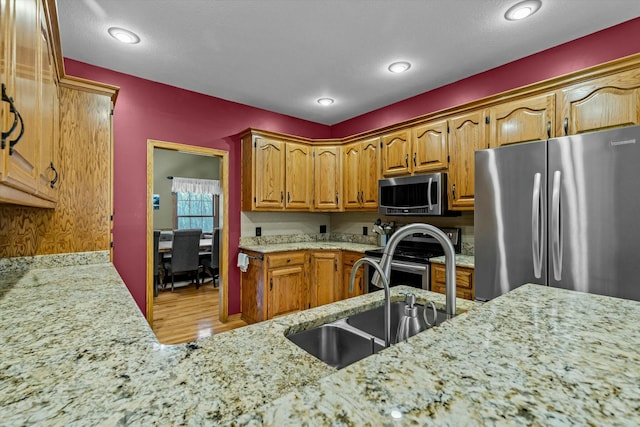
<point>75,350</point>
<point>461,260</point>
<point>300,246</point>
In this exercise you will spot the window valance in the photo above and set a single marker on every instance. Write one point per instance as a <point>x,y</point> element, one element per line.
<point>195,185</point>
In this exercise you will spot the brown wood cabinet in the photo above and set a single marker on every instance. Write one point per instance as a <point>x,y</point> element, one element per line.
<point>273,285</point>
<point>360,172</point>
<point>348,259</point>
<point>430,149</point>
<point>464,281</point>
<point>268,180</point>
<point>468,133</point>
<point>325,284</point>
<point>299,173</point>
<point>327,178</point>
<point>601,103</point>
<point>29,153</point>
<point>528,119</point>
<point>396,149</point>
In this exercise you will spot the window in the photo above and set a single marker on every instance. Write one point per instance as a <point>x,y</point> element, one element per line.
<point>194,210</point>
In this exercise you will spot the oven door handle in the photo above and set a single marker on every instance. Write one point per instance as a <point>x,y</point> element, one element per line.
<point>408,268</point>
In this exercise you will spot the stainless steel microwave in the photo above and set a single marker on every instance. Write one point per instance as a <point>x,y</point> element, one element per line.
<point>414,195</point>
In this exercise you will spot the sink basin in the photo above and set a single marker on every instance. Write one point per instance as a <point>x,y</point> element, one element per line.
<point>372,321</point>
<point>335,344</point>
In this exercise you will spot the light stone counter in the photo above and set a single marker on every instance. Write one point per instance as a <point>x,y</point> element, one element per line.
<point>75,350</point>
<point>301,246</point>
<point>461,260</point>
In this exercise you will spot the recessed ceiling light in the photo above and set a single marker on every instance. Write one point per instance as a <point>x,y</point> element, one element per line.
<point>326,101</point>
<point>522,10</point>
<point>399,67</point>
<point>124,36</point>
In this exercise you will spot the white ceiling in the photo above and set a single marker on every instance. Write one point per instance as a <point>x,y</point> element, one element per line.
<point>281,55</point>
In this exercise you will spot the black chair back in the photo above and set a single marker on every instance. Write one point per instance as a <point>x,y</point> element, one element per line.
<point>156,252</point>
<point>185,250</point>
<point>215,249</point>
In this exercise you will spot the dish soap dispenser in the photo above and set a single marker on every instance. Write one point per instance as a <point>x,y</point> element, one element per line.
<point>409,322</point>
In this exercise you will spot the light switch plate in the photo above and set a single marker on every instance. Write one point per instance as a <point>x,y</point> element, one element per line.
<point>258,231</point>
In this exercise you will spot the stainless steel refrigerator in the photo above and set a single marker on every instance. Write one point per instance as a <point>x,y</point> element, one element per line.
<point>563,212</point>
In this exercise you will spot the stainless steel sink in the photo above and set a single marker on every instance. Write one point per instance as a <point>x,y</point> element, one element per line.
<point>336,344</point>
<point>372,321</point>
<point>348,340</point>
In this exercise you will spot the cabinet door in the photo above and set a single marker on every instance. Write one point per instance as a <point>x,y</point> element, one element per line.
<point>269,173</point>
<point>21,79</point>
<point>464,281</point>
<point>351,155</point>
<point>253,302</point>
<point>468,134</point>
<point>48,164</point>
<point>395,153</point>
<point>529,119</point>
<point>348,259</point>
<point>299,164</point>
<point>285,290</point>
<point>602,103</point>
<point>325,276</point>
<point>430,147</point>
<point>327,178</point>
<point>369,173</point>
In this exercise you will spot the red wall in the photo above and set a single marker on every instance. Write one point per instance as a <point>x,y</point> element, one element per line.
<point>606,45</point>
<point>148,110</point>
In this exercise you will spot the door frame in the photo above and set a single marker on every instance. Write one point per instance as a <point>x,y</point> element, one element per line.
<point>152,144</point>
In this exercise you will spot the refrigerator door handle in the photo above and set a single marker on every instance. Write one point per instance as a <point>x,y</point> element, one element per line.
<point>429,195</point>
<point>556,231</point>
<point>536,226</point>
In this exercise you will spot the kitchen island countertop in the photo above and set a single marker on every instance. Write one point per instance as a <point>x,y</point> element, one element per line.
<point>76,350</point>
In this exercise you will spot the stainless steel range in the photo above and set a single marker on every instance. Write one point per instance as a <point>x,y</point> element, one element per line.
<point>410,265</point>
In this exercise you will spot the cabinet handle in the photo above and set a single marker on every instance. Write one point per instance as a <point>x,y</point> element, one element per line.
<point>52,183</point>
<point>406,160</point>
<point>566,125</point>
<point>453,191</point>
<point>549,129</point>
<point>288,260</point>
<point>414,159</point>
<point>270,284</point>
<point>14,142</point>
<point>12,109</point>
<point>288,197</point>
<point>337,199</point>
<point>281,196</point>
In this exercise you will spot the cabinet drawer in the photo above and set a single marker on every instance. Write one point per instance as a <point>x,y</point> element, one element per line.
<point>349,258</point>
<point>284,259</point>
<point>464,277</point>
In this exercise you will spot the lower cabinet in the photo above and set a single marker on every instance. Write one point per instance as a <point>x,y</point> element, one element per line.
<point>464,281</point>
<point>348,259</point>
<point>282,283</point>
<point>325,279</point>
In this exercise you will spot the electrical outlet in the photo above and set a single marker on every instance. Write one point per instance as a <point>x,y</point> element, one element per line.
<point>323,229</point>
<point>365,231</point>
<point>258,231</point>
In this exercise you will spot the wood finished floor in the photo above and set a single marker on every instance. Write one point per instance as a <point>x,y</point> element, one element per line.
<point>188,313</point>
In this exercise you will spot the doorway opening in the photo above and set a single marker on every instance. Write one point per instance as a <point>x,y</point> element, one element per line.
<point>161,211</point>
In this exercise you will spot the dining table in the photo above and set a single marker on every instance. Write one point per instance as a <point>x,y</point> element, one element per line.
<point>164,246</point>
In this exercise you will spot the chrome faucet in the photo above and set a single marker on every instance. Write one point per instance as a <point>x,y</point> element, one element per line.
<point>387,293</point>
<point>449,252</point>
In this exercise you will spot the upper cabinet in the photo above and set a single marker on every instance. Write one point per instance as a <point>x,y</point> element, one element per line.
<point>605,102</point>
<point>430,146</point>
<point>420,149</point>
<point>298,179</point>
<point>327,180</point>
<point>360,172</point>
<point>30,106</point>
<point>396,149</point>
<point>268,181</point>
<point>469,132</point>
<point>528,119</point>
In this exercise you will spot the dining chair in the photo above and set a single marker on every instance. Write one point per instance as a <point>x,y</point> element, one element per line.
<point>185,256</point>
<point>156,261</point>
<point>212,262</point>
